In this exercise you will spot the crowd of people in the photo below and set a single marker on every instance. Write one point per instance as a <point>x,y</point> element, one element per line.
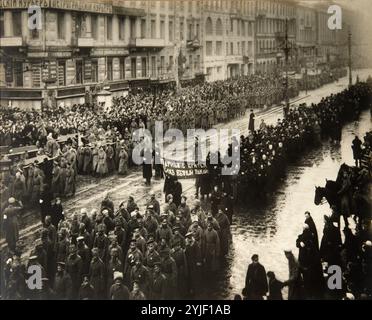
<point>200,106</point>
<point>339,264</point>
<point>169,251</point>
<point>158,252</point>
<point>266,150</point>
<point>102,141</point>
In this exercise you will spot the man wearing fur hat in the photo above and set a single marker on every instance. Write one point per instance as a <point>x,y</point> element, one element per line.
<point>118,291</point>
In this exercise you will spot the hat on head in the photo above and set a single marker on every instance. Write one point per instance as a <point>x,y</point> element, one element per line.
<point>80,238</point>
<point>61,264</point>
<point>118,275</point>
<point>189,234</point>
<point>150,241</point>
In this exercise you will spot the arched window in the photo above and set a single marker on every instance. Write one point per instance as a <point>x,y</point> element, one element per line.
<point>208,26</point>
<point>219,30</point>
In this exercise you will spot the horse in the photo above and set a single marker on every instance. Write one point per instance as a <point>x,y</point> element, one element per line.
<point>330,193</point>
<point>359,202</point>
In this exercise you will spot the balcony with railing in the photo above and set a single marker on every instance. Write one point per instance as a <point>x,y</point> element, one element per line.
<point>193,44</point>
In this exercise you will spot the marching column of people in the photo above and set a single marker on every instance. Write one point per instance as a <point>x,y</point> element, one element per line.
<point>163,252</point>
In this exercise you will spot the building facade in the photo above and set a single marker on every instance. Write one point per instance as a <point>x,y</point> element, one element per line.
<point>306,37</point>
<point>113,44</point>
<point>84,46</point>
<point>228,39</point>
<point>273,18</point>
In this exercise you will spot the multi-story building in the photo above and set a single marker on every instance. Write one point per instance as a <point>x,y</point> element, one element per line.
<point>306,37</point>
<point>331,45</point>
<point>116,44</point>
<point>228,39</point>
<point>273,18</point>
<point>113,43</point>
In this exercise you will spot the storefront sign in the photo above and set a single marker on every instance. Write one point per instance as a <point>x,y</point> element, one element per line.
<point>73,5</point>
<point>109,52</point>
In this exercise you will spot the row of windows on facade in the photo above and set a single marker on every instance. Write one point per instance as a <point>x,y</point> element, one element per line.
<point>241,27</point>
<point>193,29</point>
<point>152,69</point>
<point>276,8</point>
<point>238,49</point>
<point>190,6</point>
<point>268,46</point>
<point>274,25</point>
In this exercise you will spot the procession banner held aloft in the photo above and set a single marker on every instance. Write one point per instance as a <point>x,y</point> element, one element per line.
<point>183,169</point>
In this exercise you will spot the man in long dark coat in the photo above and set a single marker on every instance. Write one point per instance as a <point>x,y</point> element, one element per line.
<point>10,223</point>
<point>357,150</point>
<point>251,121</point>
<point>310,222</point>
<point>255,282</point>
<point>147,166</point>
<point>194,265</point>
<point>310,266</point>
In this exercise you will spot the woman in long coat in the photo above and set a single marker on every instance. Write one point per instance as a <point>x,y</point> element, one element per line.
<point>87,167</point>
<point>94,158</point>
<point>56,187</point>
<point>80,158</point>
<point>19,187</point>
<point>123,161</point>
<point>102,163</point>
<point>70,181</point>
<point>36,186</point>
<point>110,158</point>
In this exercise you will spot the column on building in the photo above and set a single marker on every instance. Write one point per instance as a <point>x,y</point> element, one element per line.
<point>88,24</point>
<point>126,29</point>
<point>25,30</point>
<point>8,24</point>
<point>68,27</point>
<point>115,29</point>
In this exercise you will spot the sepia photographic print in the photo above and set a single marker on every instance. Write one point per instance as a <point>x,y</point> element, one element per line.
<point>186,150</point>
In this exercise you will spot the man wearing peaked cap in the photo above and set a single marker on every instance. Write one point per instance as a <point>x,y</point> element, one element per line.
<point>62,283</point>
<point>151,255</point>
